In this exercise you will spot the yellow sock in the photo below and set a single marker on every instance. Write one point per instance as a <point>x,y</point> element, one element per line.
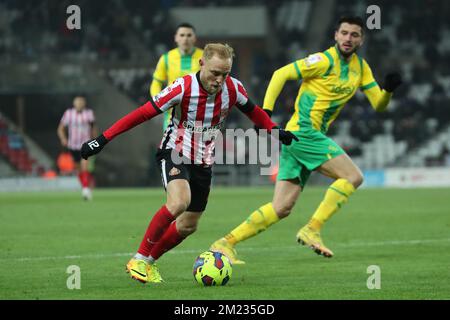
<point>336,195</point>
<point>257,222</point>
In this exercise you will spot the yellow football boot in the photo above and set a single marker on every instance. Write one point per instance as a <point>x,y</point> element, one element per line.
<point>137,269</point>
<point>153,274</point>
<point>143,271</point>
<point>311,238</point>
<point>224,247</point>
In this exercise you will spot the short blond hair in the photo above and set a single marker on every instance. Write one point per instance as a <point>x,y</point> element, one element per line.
<point>223,51</point>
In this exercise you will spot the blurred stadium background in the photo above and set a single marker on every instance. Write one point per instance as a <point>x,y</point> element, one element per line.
<point>111,60</point>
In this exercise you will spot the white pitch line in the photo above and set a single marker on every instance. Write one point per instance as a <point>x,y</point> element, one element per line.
<point>266,248</point>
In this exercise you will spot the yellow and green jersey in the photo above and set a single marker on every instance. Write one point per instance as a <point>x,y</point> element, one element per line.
<point>172,65</point>
<point>328,82</point>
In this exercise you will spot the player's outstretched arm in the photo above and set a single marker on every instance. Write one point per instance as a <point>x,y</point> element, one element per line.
<point>261,119</point>
<point>131,120</point>
<point>93,146</point>
<point>380,98</point>
<point>276,85</point>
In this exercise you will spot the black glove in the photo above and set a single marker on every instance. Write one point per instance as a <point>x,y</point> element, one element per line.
<point>93,146</point>
<point>392,81</point>
<point>285,137</point>
<point>269,113</point>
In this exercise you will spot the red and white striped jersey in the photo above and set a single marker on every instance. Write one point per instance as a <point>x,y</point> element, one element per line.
<point>197,117</point>
<point>79,125</point>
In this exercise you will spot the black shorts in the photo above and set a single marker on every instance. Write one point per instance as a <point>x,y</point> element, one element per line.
<point>76,155</point>
<point>198,176</point>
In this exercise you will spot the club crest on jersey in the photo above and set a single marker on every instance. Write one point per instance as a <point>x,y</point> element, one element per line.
<point>174,171</point>
<point>312,59</point>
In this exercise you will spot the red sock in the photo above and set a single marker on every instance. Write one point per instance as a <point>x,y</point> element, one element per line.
<point>89,179</point>
<point>169,240</point>
<point>158,225</point>
<point>84,177</point>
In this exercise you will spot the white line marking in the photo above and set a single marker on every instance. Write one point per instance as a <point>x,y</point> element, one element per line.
<point>265,248</point>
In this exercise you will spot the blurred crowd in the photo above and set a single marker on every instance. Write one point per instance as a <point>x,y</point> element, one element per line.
<point>414,40</point>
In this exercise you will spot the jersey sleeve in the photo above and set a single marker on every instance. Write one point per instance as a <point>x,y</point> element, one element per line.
<point>144,113</point>
<point>170,96</point>
<point>312,66</point>
<point>65,118</point>
<point>379,99</point>
<point>315,65</point>
<point>241,95</point>
<point>91,117</point>
<point>367,79</point>
<point>159,76</point>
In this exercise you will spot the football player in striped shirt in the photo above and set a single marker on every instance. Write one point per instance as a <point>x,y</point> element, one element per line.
<point>176,63</point>
<point>329,79</point>
<point>199,103</point>
<point>76,126</point>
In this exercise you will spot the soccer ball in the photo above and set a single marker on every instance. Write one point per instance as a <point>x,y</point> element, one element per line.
<point>212,269</point>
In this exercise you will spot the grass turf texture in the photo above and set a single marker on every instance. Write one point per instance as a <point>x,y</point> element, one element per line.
<point>405,232</point>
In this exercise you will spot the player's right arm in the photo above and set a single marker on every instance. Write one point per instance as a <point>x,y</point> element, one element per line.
<point>310,67</point>
<point>379,98</point>
<point>61,131</point>
<point>165,100</point>
<point>159,77</point>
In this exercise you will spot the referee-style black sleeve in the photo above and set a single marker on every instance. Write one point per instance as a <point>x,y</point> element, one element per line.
<point>248,107</point>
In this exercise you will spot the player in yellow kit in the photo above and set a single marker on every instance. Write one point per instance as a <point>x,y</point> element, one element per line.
<point>329,80</point>
<point>176,63</point>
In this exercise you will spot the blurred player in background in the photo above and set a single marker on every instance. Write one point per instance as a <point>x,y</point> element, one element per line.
<point>330,79</point>
<point>176,63</point>
<point>202,102</point>
<point>76,126</point>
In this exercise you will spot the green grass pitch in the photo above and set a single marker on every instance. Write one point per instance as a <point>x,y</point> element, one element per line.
<point>404,232</point>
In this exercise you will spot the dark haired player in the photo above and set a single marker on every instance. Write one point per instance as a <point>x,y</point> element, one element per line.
<point>329,80</point>
<point>176,63</point>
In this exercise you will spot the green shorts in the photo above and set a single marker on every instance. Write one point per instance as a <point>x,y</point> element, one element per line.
<point>302,157</point>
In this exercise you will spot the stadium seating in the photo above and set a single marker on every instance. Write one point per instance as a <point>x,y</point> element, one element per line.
<point>14,151</point>
<point>127,40</point>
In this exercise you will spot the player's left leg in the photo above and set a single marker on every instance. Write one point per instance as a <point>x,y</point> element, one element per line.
<point>186,222</point>
<point>285,195</point>
<point>82,167</point>
<point>180,229</point>
<point>348,177</point>
<point>184,225</point>
<point>85,179</point>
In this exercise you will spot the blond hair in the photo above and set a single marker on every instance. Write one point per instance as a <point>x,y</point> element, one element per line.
<point>223,51</point>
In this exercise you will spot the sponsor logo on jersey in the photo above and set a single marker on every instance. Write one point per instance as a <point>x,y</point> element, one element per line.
<point>342,89</point>
<point>201,129</point>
